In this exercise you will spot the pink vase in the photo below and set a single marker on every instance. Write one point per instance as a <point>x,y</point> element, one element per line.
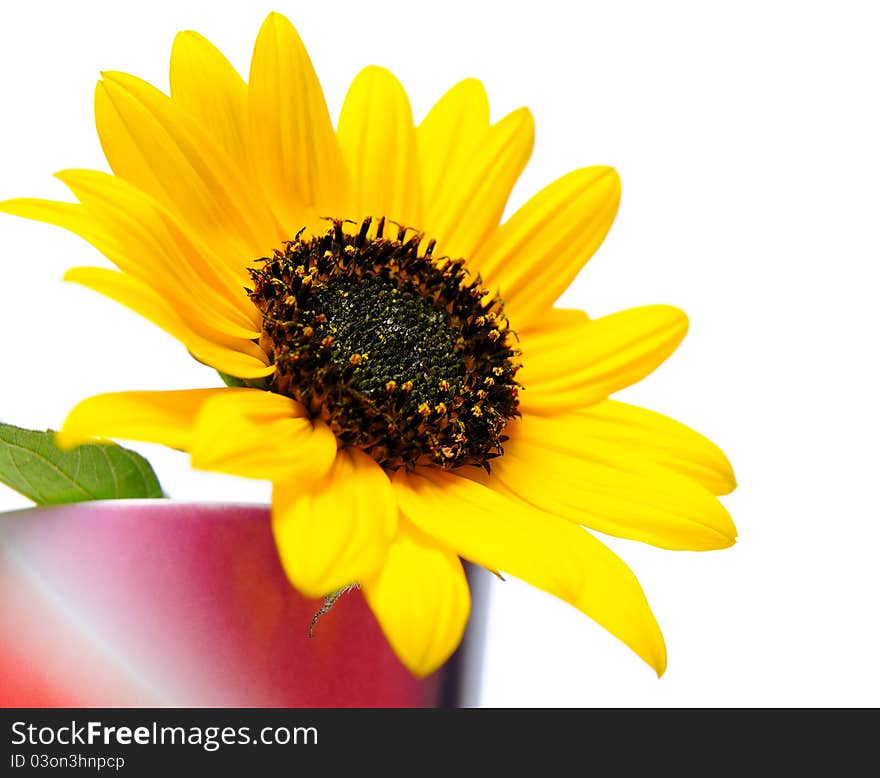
<point>157,603</point>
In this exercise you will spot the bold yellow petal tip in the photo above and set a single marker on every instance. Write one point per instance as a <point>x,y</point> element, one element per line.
<point>466,101</point>
<point>334,530</point>
<point>570,466</point>
<point>293,144</point>
<point>467,188</point>
<point>12,206</point>
<point>534,256</point>
<point>499,533</point>
<point>665,440</point>
<point>67,439</point>
<point>421,599</point>
<point>572,368</point>
<point>378,141</point>
<point>165,417</point>
<point>35,208</point>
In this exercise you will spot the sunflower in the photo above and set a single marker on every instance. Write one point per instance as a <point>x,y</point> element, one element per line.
<point>394,362</point>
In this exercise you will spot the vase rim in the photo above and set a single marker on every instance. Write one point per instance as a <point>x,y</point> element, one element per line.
<point>160,503</point>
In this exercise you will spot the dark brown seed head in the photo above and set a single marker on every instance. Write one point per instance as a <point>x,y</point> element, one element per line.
<point>405,356</point>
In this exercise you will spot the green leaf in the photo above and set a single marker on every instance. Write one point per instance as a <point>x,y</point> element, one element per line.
<point>249,383</point>
<point>32,464</point>
<point>231,380</point>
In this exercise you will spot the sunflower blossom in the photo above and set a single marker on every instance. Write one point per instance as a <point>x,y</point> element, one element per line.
<point>399,371</point>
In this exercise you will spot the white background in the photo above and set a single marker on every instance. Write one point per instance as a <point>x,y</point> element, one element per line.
<point>747,137</point>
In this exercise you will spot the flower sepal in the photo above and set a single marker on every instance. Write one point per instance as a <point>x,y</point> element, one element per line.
<point>242,383</point>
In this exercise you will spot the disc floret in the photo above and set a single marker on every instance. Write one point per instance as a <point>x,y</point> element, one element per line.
<point>406,356</point>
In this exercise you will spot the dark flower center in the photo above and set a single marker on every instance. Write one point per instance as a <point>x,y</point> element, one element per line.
<point>393,333</point>
<point>405,356</point>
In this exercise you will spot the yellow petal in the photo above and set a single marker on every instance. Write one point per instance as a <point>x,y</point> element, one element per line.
<point>334,531</point>
<point>553,321</point>
<point>243,359</point>
<point>150,142</point>
<point>257,434</point>
<point>155,248</point>
<point>206,86</point>
<point>421,599</point>
<point>121,147</point>
<point>554,555</point>
<point>535,255</point>
<point>468,201</point>
<point>575,366</point>
<point>70,216</point>
<point>152,417</point>
<point>378,142</point>
<point>141,254</point>
<point>645,434</point>
<point>453,128</point>
<point>295,148</point>
<point>609,488</point>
